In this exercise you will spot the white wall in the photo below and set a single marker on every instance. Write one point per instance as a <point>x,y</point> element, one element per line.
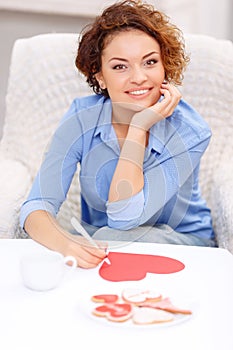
<point>210,17</point>
<point>14,25</point>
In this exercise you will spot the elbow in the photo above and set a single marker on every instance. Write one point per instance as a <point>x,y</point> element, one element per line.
<point>126,214</point>
<point>123,225</point>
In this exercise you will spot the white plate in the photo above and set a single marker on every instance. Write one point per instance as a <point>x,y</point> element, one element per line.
<point>87,306</point>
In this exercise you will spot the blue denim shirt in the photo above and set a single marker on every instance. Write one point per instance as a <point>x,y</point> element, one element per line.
<point>171,193</point>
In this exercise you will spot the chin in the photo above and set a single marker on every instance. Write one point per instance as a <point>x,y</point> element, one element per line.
<point>135,107</point>
<point>138,106</point>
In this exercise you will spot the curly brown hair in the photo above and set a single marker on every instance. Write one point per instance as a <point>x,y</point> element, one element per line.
<point>128,15</point>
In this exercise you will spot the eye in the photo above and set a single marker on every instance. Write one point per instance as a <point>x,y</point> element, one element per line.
<point>119,67</point>
<point>151,62</point>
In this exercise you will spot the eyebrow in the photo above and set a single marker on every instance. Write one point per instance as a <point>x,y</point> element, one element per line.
<point>125,60</point>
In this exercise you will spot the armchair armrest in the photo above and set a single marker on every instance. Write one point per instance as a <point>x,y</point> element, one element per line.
<point>222,205</point>
<point>15,182</point>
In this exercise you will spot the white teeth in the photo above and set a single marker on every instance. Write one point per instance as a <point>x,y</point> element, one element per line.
<point>138,92</point>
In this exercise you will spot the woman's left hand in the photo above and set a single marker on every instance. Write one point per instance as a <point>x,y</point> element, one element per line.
<point>160,110</point>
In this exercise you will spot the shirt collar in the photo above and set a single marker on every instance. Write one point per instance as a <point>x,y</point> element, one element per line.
<point>157,136</point>
<point>104,126</point>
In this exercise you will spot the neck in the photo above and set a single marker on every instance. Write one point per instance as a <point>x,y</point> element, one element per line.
<point>121,119</point>
<point>122,113</point>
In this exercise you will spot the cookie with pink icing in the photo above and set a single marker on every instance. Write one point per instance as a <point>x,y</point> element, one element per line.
<point>138,296</point>
<point>117,312</point>
<point>105,298</point>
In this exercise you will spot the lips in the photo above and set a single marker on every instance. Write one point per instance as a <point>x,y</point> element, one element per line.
<point>138,92</point>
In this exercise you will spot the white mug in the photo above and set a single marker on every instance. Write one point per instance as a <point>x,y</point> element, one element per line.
<point>42,271</point>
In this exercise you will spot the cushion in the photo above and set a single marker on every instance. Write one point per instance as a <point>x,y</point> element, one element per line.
<point>15,183</point>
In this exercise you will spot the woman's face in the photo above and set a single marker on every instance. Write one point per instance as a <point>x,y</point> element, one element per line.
<point>132,69</point>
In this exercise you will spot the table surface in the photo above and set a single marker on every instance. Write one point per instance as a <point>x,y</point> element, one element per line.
<point>58,319</point>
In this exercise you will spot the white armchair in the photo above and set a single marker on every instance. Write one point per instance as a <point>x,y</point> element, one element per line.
<point>43,81</point>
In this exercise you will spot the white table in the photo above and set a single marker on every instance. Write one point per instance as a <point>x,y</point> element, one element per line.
<point>55,319</point>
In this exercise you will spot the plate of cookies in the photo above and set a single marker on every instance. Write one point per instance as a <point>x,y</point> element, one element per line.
<point>138,307</point>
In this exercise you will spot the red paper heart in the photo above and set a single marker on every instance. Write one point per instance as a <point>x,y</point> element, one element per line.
<point>134,267</point>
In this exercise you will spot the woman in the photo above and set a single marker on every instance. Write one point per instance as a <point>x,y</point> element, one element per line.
<point>138,143</point>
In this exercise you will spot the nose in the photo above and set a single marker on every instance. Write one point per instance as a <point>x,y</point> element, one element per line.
<point>137,75</point>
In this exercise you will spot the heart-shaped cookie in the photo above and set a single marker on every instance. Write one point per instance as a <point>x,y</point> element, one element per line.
<point>146,315</point>
<point>138,296</point>
<point>117,312</point>
<point>105,298</point>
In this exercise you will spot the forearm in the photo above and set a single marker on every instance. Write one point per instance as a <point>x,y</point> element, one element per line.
<point>128,176</point>
<point>43,228</point>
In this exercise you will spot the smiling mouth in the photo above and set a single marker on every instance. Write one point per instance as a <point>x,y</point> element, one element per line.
<point>138,92</point>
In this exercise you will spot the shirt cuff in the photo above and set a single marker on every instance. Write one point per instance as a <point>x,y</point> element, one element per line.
<point>126,212</point>
<point>29,207</point>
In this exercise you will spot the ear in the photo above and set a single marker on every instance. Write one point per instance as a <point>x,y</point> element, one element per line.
<point>100,79</point>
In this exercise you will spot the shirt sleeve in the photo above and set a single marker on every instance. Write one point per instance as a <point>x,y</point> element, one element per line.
<point>125,214</point>
<point>53,180</point>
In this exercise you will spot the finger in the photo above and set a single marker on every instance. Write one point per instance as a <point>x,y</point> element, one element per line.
<point>98,253</point>
<point>96,246</point>
<point>89,264</point>
<point>86,254</point>
<point>89,258</point>
<point>166,96</point>
<point>169,103</point>
<point>174,94</point>
<point>172,89</point>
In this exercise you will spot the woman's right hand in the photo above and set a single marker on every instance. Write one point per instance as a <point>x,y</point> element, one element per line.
<point>44,228</point>
<point>86,255</point>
